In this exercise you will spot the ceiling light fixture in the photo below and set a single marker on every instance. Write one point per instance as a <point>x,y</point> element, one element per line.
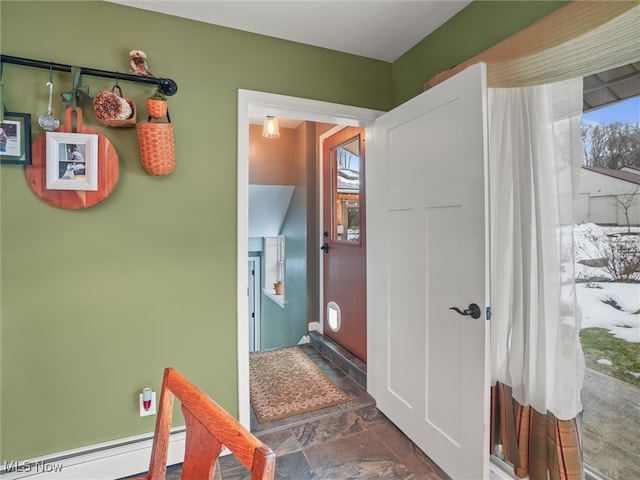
<point>270,128</point>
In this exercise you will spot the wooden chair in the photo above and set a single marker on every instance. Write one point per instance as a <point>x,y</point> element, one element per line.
<point>209,427</point>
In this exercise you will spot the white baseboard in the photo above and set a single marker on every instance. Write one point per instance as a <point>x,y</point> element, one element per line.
<point>314,327</point>
<point>104,461</point>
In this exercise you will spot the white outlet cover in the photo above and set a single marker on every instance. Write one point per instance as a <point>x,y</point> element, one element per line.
<point>152,408</point>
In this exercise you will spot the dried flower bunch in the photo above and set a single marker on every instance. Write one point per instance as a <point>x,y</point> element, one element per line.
<point>109,106</point>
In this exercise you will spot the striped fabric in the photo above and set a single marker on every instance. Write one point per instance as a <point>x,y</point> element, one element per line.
<point>535,443</point>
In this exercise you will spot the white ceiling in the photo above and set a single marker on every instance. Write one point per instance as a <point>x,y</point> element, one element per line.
<point>379,29</point>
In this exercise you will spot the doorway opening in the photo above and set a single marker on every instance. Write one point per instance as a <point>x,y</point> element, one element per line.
<point>262,104</point>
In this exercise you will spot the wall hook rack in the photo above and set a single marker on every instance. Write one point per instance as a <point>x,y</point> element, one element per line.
<point>166,85</point>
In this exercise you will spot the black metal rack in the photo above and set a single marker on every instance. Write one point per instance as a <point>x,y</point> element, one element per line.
<point>165,85</point>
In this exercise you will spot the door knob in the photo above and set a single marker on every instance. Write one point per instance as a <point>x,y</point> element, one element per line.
<point>325,247</point>
<point>473,311</point>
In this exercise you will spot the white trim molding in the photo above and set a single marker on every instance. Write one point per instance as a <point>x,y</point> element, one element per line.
<point>109,460</point>
<point>254,102</point>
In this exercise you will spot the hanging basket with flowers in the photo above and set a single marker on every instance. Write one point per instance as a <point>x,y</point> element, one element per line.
<point>156,139</point>
<point>157,105</point>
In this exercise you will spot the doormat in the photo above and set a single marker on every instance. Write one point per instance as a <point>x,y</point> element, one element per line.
<point>285,382</point>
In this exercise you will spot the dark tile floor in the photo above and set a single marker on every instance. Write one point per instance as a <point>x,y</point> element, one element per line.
<point>357,444</point>
<point>348,441</point>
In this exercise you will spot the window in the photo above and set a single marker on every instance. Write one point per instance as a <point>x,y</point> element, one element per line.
<point>607,238</point>
<point>274,268</point>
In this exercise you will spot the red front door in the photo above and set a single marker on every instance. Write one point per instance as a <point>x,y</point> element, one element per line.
<point>344,260</point>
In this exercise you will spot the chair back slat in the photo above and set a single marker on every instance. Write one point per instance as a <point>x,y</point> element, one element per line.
<point>201,449</point>
<point>209,428</point>
<point>264,464</point>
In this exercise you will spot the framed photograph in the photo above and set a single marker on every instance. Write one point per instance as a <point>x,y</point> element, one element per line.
<point>15,138</point>
<point>72,161</point>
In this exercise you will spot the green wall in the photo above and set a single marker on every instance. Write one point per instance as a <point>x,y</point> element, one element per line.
<point>96,302</point>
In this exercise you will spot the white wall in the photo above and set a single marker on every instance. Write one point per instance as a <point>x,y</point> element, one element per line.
<point>597,200</point>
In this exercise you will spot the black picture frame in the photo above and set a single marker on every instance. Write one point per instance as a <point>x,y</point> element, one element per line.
<point>17,145</point>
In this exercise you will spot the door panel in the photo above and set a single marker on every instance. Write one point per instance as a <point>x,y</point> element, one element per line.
<point>344,227</point>
<point>426,254</point>
<point>444,232</point>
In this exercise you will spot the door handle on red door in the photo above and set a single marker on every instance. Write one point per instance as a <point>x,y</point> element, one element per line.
<point>473,311</point>
<point>325,247</point>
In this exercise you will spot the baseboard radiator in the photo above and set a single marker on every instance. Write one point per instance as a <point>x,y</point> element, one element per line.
<point>116,459</point>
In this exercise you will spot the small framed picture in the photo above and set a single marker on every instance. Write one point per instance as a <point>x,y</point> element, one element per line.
<point>15,138</point>
<point>72,161</point>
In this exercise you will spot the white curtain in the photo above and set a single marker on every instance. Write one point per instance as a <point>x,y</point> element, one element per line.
<point>535,158</point>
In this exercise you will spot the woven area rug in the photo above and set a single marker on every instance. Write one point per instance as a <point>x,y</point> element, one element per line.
<point>286,382</point>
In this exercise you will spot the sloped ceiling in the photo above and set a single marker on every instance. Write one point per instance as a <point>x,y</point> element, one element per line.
<point>612,86</point>
<point>268,205</point>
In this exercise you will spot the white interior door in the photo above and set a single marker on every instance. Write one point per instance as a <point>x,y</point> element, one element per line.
<point>426,253</point>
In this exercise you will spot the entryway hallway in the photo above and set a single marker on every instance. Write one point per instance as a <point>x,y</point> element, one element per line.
<point>348,441</point>
<point>351,440</point>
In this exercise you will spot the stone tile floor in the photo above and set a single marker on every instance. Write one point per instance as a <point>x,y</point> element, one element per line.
<point>356,444</point>
<point>356,441</point>
<point>348,441</point>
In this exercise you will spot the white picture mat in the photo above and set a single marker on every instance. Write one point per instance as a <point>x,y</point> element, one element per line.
<point>12,146</point>
<point>72,161</point>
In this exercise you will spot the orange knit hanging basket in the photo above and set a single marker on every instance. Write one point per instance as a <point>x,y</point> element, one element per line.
<point>157,148</point>
<point>157,108</point>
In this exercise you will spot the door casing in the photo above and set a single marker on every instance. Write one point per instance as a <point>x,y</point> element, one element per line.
<point>253,102</point>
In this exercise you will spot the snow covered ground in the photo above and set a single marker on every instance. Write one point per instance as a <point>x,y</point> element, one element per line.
<point>623,323</point>
<point>614,306</point>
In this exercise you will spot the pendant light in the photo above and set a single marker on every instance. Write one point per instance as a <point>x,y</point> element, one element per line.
<point>270,128</point>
